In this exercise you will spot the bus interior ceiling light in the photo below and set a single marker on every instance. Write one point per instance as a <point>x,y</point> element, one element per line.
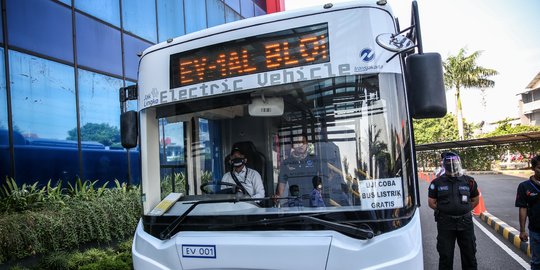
<point>266,106</point>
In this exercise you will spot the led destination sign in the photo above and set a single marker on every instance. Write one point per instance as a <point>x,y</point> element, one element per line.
<point>279,50</point>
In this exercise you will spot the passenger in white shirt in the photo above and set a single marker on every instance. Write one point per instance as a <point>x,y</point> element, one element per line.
<point>250,179</point>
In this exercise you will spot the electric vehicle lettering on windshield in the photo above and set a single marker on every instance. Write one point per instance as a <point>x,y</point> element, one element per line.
<point>264,79</point>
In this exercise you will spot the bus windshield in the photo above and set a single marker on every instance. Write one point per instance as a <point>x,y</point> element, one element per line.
<point>337,145</point>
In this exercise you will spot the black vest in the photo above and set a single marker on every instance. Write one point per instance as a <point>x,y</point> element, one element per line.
<point>453,195</point>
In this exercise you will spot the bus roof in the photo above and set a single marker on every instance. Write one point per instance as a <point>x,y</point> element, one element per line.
<point>265,19</point>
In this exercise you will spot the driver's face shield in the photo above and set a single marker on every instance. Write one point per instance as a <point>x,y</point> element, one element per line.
<point>452,166</point>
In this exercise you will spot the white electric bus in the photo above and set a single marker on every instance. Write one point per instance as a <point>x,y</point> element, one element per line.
<point>325,93</point>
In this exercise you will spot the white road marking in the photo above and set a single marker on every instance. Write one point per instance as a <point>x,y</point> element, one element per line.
<point>502,245</point>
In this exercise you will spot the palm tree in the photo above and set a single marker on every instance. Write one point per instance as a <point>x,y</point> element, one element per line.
<point>461,71</point>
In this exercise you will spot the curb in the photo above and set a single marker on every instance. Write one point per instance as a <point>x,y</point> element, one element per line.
<point>482,172</point>
<point>526,173</point>
<point>508,232</point>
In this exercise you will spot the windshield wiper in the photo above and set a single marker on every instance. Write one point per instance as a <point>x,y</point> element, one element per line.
<point>343,228</point>
<point>168,231</point>
<point>357,232</point>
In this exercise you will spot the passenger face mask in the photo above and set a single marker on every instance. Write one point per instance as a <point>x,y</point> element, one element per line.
<point>452,166</point>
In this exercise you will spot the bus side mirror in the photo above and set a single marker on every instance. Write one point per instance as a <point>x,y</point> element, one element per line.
<point>425,85</point>
<point>129,129</point>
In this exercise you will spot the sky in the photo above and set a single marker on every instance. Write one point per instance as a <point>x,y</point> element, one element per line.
<point>507,33</point>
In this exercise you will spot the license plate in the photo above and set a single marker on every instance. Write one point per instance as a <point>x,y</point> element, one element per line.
<point>199,251</point>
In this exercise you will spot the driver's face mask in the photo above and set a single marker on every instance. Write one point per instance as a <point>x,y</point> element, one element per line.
<point>237,162</point>
<point>452,166</point>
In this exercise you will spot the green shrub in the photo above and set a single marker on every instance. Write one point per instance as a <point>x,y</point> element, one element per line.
<point>94,258</point>
<point>19,198</point>
<point>86,190</point>
<point>108,263</point>
<point>15,198</point>
<point>111,216</point>
<point>56,260</point>
<point>18,267</point>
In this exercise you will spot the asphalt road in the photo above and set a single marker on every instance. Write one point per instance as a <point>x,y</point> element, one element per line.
<point>498,192</point>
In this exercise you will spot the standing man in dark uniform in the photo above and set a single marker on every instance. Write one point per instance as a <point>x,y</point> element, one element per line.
<point>453,196</point>
<point>299,169</point>
<point>527,199</point>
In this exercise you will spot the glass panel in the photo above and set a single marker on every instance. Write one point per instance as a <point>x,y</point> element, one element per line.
<point>67,2</point>
<point>41,26</point>
<point>1,28</point>
<point>527,97</point>
<point>259,11</point>
<point>133,46</point>
<point>248,10</point>
<point>210,135</point>
<point>140,18</point>
<point>535,95</point>
<point>202,150</point>
<point>106,10</point>
<point>216,12</point>
<point>231,15</point>
<point>234,4</point>
<point>98,45</point>
<point>4,137</point>
<point>170,19</point>
<point>261,4</point>
<point>44,119</point>
<point>195,15</point>
<point>104,158</point>
<point>172,157</point>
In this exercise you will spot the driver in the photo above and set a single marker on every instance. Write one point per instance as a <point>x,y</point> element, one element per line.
<point>247,180</point>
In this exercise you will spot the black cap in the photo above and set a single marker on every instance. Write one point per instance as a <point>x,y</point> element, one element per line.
<point>236,149</point>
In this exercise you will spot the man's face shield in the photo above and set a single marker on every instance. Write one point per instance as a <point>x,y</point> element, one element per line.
<point>452,166</point>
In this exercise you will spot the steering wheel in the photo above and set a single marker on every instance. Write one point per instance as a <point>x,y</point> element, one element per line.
<point>230,190</point>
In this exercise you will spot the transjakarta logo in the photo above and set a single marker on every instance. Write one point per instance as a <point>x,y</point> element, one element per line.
<point>367,55</point>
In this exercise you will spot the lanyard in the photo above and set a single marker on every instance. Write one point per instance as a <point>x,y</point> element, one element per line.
<point>238,182</point>
<point>245,176</point>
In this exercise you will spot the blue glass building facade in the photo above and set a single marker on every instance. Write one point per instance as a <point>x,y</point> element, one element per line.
<point>61,65</point>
